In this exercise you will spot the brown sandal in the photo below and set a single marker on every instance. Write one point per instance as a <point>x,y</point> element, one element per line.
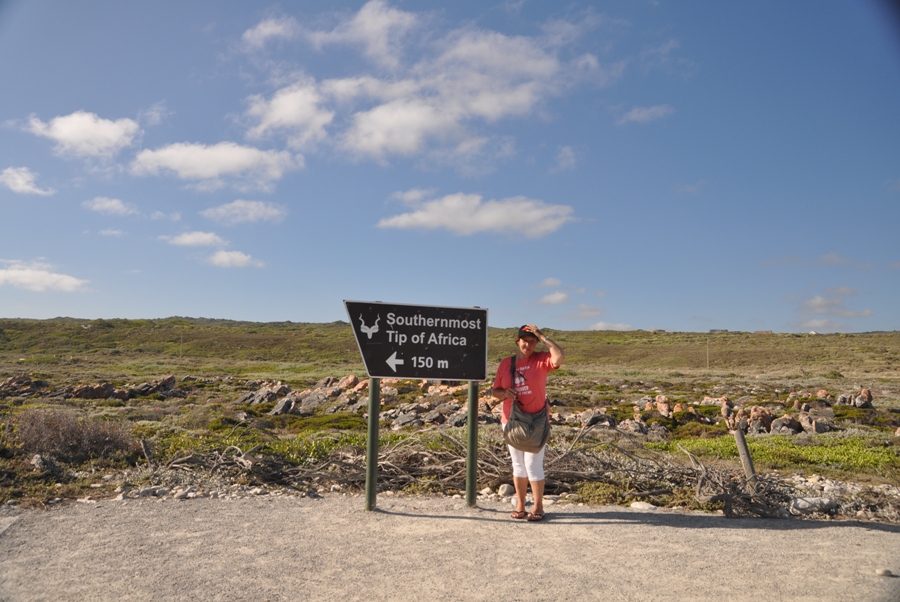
<point>533,517</point>
<point>518,514</point>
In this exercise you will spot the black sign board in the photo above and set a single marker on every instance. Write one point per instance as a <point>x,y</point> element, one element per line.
<point>417,341</point>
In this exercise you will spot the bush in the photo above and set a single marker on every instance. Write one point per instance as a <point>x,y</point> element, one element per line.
<point>62,435</point>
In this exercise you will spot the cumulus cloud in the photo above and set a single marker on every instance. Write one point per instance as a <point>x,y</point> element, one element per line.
<point>22,180</point>
<point>467,214</point>
<point>174,216</point>
<point>377,27</point>
<point>233,259</point>
<point>554,298</point>
<point>195,239</point>
<point>241,211</point>
<point>646,114</point>
<point>585,311</point>
<point>821,324</point>
<point>694,188</point>
<point>83,134</point>
<point>155,114</point>
<point>413,195</point>
<point>609,326</point>
<point>834,259</point>
<point>209,164</point>
<point>102,204</point>
<point>110,232</point>
<point>551,282</point>
<point>295,110</point>
<point>462,81</point>
<point>831,306</point>
<point>565,159</point>
<point>272,28</point>
<point>823,312</point>
<point>37,276</point>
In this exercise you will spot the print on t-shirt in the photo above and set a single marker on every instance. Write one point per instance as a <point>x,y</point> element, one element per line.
<point>520,385</point>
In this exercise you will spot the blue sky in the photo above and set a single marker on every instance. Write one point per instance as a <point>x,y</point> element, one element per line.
<point>605,165</point>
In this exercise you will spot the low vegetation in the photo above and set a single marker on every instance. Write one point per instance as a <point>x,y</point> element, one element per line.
<point>223,360</point>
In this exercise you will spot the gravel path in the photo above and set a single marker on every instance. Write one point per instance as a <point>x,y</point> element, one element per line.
<point>292,548</point>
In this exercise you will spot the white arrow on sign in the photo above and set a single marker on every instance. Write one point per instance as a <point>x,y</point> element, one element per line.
<point>393,362</point>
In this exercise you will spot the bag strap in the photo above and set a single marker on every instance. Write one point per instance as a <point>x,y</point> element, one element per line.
<point>512,377</point>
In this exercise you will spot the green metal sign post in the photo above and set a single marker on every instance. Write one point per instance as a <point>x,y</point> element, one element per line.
<point>472,451</point>
<point>372,443</point>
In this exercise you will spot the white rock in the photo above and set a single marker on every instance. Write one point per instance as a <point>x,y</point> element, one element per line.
<point>506,490</point>
<point>884,573</point>
<point>485,491</point>
<point>807,505</point>
<point>643,506</point>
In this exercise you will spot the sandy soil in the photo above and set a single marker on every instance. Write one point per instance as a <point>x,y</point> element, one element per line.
<point>291,548</point>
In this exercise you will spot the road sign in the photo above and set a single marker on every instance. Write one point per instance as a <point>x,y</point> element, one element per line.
<point>417,341</point>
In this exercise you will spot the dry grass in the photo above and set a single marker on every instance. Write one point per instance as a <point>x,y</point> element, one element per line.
<point>62,435</point>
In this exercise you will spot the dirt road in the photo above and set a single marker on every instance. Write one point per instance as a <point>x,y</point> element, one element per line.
<point>291,548</point>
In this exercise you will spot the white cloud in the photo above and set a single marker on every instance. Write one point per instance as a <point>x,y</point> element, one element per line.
<point>84,134</point>
<point>565,159</point>
<point>834,259</point>
<point>462,81</point>
<point>585,311</point>
<point>195,239</point>
<point>36,277</point>
<point>377,27</point>
<point>555,298</point>
<point>211,163</point>
<point>646,114</point>
<point>821,324</point>
<point>270,29</point>
<point>233,259</point>
<point>694,188</point>
<point>295,109</point>
<point>114,233</point>
<point>551,282</point>
<point>241,211</point>
<point>22,180</point>
<point>413,195</point>
<point>102,204</point>
<point>609,326</point>
<point>155,114</point>
<point>832,306</point>
<point>174,217</point>
<point>466,214</point>
<point>841,291</point>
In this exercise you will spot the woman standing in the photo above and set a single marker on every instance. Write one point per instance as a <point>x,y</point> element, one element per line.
<point>529,389</point>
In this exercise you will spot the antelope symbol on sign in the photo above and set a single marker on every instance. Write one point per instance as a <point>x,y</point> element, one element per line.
<point>369,330</point>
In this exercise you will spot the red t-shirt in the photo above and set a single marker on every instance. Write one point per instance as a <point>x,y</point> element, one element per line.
<point>531,382</point>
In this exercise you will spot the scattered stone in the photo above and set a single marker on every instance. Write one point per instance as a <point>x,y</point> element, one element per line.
<point>884,572</point>
<point>407,419</point>
<point>786,425</point>
<point>800,506</point>
<point>633,426</point>
<point>284,406</point>
<point>46,464</point>
<point>506,489</point>
<point>458,419</point>
<point>643,506</point>
<point>485,491</point>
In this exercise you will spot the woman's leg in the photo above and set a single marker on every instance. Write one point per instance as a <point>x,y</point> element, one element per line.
<point>534,468</point>
<point>520,477</point>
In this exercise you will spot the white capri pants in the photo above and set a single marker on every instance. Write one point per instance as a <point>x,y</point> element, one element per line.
<point>526,464</point>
